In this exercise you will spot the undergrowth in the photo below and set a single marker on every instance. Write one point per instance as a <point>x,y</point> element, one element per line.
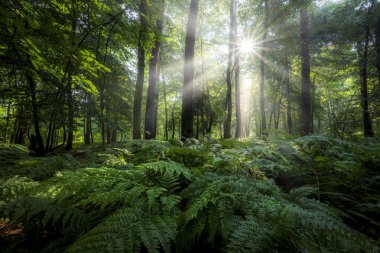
<point>311,194</point>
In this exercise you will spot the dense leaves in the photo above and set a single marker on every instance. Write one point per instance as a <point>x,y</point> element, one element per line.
<point>166,206</point>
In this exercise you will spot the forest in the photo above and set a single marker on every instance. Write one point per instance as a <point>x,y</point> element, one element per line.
<point>189,126</point>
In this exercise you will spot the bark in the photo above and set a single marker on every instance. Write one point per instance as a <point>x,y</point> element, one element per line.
<point>262,68</point>
<point>239,124</point>
<point>377,48</point>
<point>7,119</point>
<point>228,108</point>
<point>367,124</point>
<point>136,124</point>
<point>114,136</point>
<point>70,108</point>
<point>70,105</point>
<point>87,135</point>
<point>36,122</point>
<point>306,127</point>
<point>166,106</point>
<point>288,98</point>
<point>277,120</point>
<point>102,118</point>
<point>187,92</point>
<point>152,96</point>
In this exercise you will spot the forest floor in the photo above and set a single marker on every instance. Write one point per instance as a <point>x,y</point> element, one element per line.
<point>308,194</point>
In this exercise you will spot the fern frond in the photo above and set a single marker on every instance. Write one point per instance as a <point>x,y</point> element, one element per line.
<point>127,230</point>
<point>16,186</point>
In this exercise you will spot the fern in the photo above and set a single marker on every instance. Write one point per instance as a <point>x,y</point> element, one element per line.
<point>257,209</point>
<point>146,151</point>
<point>127,230</point>
<point>15,186</point>
<point>11,153</point>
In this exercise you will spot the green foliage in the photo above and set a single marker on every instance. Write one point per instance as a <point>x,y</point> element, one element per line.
<point>146,151</point>
<point>190,157</point>
<point>37,168</point>
<point>229,205</point>
<point>235,210</point>
<point>11,153</point>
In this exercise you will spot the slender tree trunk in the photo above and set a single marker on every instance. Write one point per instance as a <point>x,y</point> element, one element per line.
<point>53,137</point>
<point>87,139</point>
<point>262,68</point>
<point>114,136</point>
<point>239,125</point>
<point>7,119</point>
<point>277,120</point>
<point>70,105</point>
<point>377,47</point>
<point>288,97</point>
<point>166,105</point>
<point>151,109</point>
<point>109,127</point>
<point>140,71</point>
<point>305,81</point>
<point>87,135</point>
<point>228,107</point>
<point>70,108</point>
<point>187,92</point>
<point>312,103</point>
<point>102,118</point>
<point>36,122</point>
<point>173,118</point>
<point>367,124</point>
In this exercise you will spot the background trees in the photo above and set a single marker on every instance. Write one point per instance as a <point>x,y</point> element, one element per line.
<point>69,70</point>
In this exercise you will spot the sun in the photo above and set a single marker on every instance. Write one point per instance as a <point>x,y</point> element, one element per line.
<point>246,46</point>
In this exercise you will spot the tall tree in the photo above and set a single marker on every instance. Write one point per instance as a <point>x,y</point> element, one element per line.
<point>367,124</point>
<point>187,130</point>
<point>228,106</point>
<point>152,96</point>
<point>288,96</point>
<point>377,48</point>
<point>239,125</point>
<point>262,67</point>
<point>136,125</point>
<point>305,80</point>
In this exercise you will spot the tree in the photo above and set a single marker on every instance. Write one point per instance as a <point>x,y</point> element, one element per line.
<point>228,107</point>
<point>367,124</point>
<point>239,124</point>
<point>143,8</point>
<point>305,81</point>
<point>262,67</point>
<point>152,95</point>
<point>188,83</point>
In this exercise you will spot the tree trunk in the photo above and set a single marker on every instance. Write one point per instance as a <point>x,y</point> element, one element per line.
<point>87,135</point>
<point>102,118</point>
<point>277,120</point>
<point>7,119</point>
<point>288,97</point>
<point>140,71</point>
<point>166,105</point>
<point>368,132</point>
<point>228,108</point>
<point>187,92</point>
<point>151,109</point>
<point>70,108</point>
<point>377,47</point>
<point>114,136</point>
<point>36,122</point>
<point>262,69</point>
<point>239,126</point>
<point>305,81</point>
